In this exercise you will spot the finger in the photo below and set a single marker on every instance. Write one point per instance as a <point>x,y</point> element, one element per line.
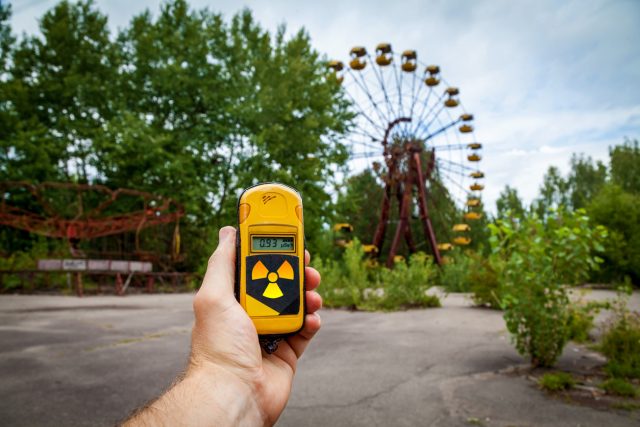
<point>311,278</point>
<point>307,257</point>
<point>314,301</point>
<point>220,276</point>
<point>299,341</point>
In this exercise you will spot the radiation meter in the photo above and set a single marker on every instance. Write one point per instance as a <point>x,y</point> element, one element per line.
<point>270,260</point>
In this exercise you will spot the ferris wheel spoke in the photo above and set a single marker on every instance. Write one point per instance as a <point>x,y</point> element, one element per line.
<point>363,86</point>
<point>450,147</point>
<point>455,164</point>
<point>399,89</point>
<point>365,115</point>
<point>369,146</point>
<point>363,133</point>
<point>423,118</point>
<point>378,73</point>
<point>436,133</point>
<point>415,94</point>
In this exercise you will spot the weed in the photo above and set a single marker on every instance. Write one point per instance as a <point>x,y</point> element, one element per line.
<point>557,381</point>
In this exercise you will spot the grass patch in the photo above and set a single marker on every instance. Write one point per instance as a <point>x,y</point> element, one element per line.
<point>619,387</point>
<point>627,406</point>
<point>557,381</point>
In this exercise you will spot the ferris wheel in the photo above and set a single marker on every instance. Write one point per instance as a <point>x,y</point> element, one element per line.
<point>410,127</point>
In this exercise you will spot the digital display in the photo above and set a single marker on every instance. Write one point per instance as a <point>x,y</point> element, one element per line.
<point>272,243</point>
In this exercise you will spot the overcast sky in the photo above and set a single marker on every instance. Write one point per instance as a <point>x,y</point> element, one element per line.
<point>544,79</point>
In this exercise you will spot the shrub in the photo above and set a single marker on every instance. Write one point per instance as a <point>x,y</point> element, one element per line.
<point>538,259</point>
<point>619,387</point>
<point>454,275</point>
<point>354,282</point>
<point>621,343</point>
<point>557,381</point>
<point>582,317</point>
<point>486,288</point>
<point>406,285</point>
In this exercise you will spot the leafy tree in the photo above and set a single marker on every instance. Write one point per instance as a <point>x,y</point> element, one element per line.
<point>625,165</point>
<point>509,203</point>
<point>359,204</point>
<point>185,105</point>
<point>585,179</point>
<point>60,88</point>
<point>619,211</point>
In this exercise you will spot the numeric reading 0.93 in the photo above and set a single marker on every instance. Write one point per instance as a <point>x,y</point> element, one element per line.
<point>272,243</point>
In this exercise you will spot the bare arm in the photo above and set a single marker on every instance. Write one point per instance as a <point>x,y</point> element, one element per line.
<point>230,381</point>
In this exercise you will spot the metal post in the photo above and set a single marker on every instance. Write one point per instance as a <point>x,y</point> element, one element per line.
<point>424,212</point>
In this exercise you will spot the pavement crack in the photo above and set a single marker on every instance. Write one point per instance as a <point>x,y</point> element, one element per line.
<point>368,398</point>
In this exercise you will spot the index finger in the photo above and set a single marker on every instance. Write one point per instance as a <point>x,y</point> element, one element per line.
<point>307,257</point>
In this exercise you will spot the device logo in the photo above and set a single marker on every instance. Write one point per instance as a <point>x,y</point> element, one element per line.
<point>273,281</point>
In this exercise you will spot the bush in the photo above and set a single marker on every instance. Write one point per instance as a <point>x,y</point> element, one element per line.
<point>621,343</point>
<point>582,317</point>
<point>619,387</point>
<point>406,285</point>
<point>485,285</point>
<point>354,282</point>
<point>557,381</point>
<point>454,275</point>
<point>538,260</point>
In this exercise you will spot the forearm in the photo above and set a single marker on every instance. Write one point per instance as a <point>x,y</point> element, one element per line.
<point>202,398</point>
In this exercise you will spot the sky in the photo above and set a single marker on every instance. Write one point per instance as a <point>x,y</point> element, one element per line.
<point>544,79</point>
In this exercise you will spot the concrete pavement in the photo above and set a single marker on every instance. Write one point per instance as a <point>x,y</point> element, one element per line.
<point>90,361</point>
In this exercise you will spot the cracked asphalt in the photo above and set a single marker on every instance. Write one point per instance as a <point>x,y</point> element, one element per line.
<point>67,361</point>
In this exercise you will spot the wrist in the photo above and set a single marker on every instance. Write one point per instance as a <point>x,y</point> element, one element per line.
<point>230,397</point>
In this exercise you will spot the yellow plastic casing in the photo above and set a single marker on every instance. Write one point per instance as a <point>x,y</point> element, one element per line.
<point>271,210</point>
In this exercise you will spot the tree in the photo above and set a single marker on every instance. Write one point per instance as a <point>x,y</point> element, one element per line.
<point>625,165</point>
<point>585,179</point>
<point>184,105</point>
<point>509,202</point>
<point>619,211</point>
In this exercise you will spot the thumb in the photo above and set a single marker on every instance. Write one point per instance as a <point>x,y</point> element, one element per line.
<point>219,279</point>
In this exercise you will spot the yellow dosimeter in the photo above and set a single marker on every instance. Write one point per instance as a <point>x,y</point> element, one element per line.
<point>270,258</point>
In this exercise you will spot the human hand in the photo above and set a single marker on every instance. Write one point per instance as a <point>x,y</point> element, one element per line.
<point>225,342</point>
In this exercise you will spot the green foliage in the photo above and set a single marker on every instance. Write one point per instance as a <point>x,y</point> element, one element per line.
<point>406,285</point>
<point>27,260</point>
<point>619,211</point>
<point>509,204</point>
<point>454,275</point>
<point>354,282</point>
<point>582,317</point>
<point>539,259</point>
<point>621,343</point>
<point>620,387</point>
<point>625,166</point>
<point>180,103</point>
<point>557,381</point>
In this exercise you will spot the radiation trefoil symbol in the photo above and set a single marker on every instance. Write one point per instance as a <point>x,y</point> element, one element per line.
<point>261,272</point>
<point>272,280</point>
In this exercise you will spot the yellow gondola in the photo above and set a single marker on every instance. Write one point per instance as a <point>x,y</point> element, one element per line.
<point>343,227</point>
<point>466,117</point>
<point>475,146</point>
<point>477,174</point>
<point>472,216</point>
<point>462,241</point>
<point>384,54</point>
<point>450,103</point>
<point>474,158</point>
<point>409,61</point>
<point>445,246</point>
<point>337,66</point>
<point>370,249</point>
<point>466,128</point>
<point>356,63</point>
<point>433,79</point>
<point>461,227</point>
<point>476,187</point>
<point>473,203</point>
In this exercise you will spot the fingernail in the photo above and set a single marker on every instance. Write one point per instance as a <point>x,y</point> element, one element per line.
<point>225,232</point>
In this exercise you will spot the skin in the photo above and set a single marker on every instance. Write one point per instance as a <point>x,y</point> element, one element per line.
<point>230,380</point>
